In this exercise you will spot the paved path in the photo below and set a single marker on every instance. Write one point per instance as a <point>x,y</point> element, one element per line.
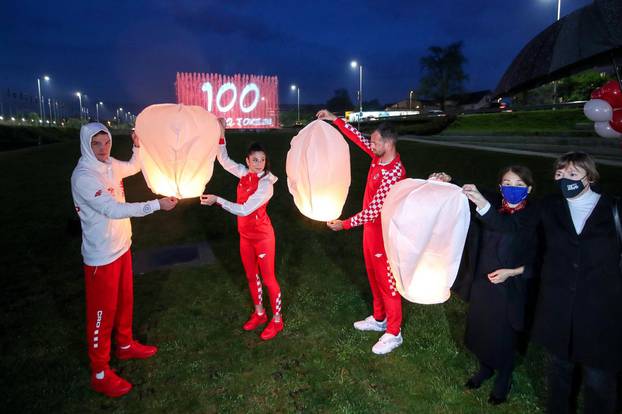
<point>484,147</point>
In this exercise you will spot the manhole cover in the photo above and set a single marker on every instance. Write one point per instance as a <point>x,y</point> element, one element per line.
<point>172,256</point>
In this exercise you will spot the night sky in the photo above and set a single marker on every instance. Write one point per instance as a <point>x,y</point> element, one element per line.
<point>128,53</point>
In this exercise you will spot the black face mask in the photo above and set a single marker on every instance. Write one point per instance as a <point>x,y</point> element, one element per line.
<point>571,188</point>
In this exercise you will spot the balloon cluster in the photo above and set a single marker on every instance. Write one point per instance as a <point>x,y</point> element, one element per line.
<point>605,109</point>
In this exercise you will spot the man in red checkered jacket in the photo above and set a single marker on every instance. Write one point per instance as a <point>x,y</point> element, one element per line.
<point>386,169</point>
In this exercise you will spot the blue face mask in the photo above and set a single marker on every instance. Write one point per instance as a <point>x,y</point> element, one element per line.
<point>514,195</point>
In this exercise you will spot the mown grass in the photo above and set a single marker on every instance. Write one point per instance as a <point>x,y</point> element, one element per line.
<point>562,122</point>
<point>206,363</point>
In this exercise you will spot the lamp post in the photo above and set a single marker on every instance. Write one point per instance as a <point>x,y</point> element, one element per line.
<point>410,100</point>
<point>50,108</point>
<point>559,8</point>
<point>97,109</point>
<point>297,89</point>
<point>41,104</point>
<point>354,64</point>
<point>85,107</point>
<point>79,95</point>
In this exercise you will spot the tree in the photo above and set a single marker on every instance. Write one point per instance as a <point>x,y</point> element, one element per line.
<point>373,105</point>
<point>572,88</point>
<point>340,102</point>
<point>579,87</point>
<point>443,74</point>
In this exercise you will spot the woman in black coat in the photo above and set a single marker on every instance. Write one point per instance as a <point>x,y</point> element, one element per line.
<point>579,311</point>
<point>498,288</point>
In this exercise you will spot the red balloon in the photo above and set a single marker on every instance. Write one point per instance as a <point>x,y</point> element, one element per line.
<point>611,93</point>
<point>596,93</point>
<point>616,120</point>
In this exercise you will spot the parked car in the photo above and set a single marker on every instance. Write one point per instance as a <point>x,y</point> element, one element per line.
<point>435,112</point>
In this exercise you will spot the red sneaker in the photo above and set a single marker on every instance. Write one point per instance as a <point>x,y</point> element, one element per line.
<point>254,321</point>
<point>272,329</point>
<point>136,351</point>
<point>111,385</point>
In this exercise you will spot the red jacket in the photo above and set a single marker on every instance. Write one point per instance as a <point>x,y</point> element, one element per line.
<point>257,224</point>
<point>380,179</point>
<point>253,193</point>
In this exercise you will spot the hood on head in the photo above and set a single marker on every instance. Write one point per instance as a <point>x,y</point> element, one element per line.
<point>86,134</point>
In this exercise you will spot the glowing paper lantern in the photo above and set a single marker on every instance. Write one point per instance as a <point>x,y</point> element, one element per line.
<point>424,226</point>
<point>178,145</point>
<point>318,171</point>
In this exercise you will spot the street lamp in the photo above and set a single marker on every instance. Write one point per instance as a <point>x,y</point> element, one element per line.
<point>50,108</point>
<point>41,105</point>
<point>410,100</point>
<point>97,109</point>
<point>297,89</point>
<point>79,95</point>
<point>353,65</point>
<point>559,8</point>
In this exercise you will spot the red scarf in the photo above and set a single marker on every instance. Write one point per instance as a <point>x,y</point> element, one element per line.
<point>506,209</point>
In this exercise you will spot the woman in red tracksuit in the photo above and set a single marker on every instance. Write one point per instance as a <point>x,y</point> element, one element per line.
<point>256,233</point>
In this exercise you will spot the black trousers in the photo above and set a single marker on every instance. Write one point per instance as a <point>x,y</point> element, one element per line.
<point>599,388</point>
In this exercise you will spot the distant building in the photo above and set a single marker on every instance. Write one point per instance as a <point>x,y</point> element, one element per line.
<point>470,101</point>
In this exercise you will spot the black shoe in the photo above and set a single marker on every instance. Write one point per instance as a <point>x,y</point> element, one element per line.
<point>477,380</point>
<point>496,400</point>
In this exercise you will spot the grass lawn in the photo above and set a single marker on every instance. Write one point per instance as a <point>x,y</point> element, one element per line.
<point>206,363</point>
<point>562,122</point>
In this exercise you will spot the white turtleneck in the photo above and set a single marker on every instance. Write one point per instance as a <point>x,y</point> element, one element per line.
<point>581,207</point>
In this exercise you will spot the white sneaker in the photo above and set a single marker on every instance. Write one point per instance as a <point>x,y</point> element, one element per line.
<point>370,324</point>
<point>387,343</point>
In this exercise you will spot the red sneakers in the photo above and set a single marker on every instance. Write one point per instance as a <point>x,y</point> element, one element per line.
<point>272,329</point>
<point>111,385</point>
<point>136,351</point>
<point>254,321</point>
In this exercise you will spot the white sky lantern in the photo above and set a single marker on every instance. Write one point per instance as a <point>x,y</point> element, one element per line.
<point>318,171</point>
<point>424,226</point>
<point>178,145</point>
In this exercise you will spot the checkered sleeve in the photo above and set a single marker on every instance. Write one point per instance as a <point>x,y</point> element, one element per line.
<point>354,135</point>
<point>372,211</point>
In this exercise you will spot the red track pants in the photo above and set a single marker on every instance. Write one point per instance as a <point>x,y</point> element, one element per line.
<point>258,258</point>
<point>386,299</point>
<point>109,301</point>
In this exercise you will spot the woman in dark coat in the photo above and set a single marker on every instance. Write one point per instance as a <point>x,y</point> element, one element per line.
<point>579,311</point>
<point>498,289</point>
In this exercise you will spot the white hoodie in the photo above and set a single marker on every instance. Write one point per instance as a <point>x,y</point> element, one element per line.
<point>99,198</point>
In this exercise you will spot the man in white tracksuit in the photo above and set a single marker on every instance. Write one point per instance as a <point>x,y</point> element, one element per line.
<point>99,198</point>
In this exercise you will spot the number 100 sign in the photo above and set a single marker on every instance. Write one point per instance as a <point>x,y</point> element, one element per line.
<point>245,101</point>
